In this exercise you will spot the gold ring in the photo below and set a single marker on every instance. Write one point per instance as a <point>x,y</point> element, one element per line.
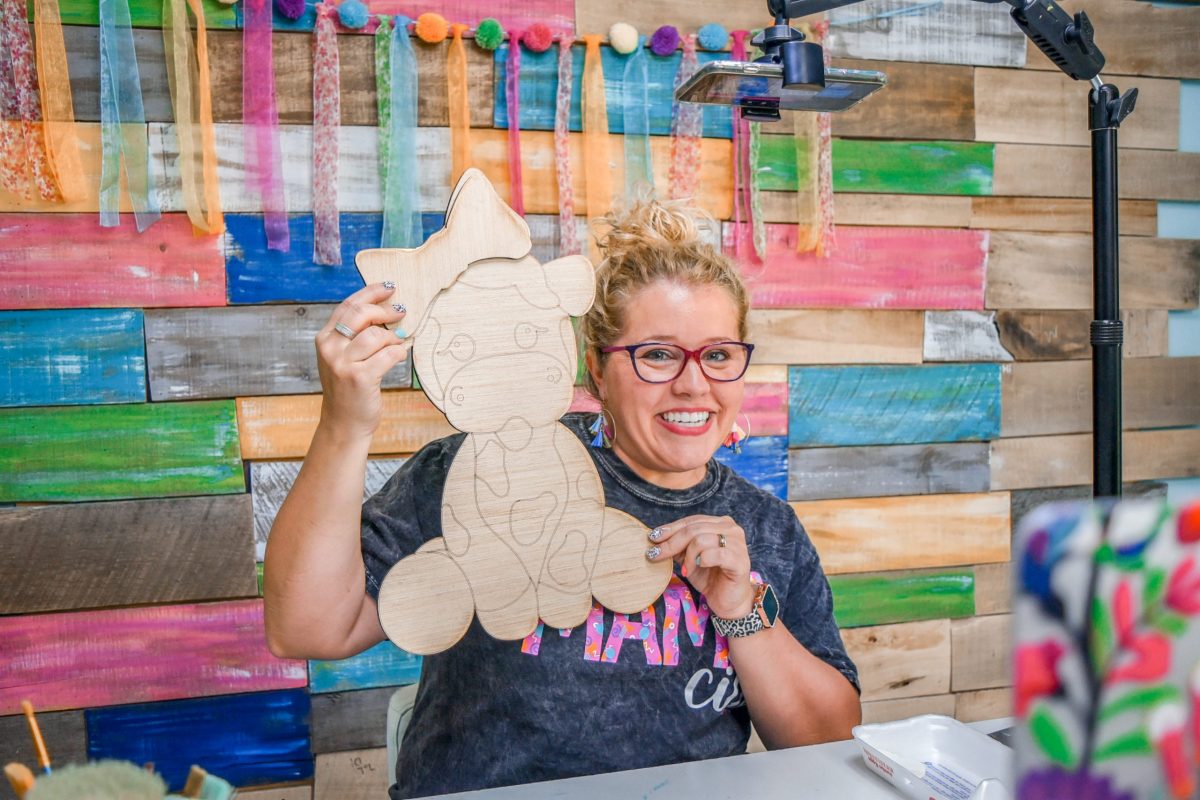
<point>722,540</point>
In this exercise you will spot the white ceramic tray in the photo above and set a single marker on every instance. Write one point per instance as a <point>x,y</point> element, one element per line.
<point>932,757</point>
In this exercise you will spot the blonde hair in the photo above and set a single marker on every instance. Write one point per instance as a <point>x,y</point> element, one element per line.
<point>650,241</point>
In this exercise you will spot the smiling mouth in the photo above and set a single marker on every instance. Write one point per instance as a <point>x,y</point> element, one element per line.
<point>686,419</point>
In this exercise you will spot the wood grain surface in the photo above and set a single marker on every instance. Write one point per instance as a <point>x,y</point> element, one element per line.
<point>908,659</point>
<point>1026,500</point>
<point>963,336</point>
<point>892,710</point>
<point>354,775</point>
<point>883,210</point>
<point>142,13</point>
<point>827,473</point>
<point>878,598</point>
<point>82,44</point>
<point>1031,170</point>
<point>1058,215</point>
<point>355,720</point>
<point>1066,459</point>
<point>763,462</point>
<point>981,653</point>
<point>1060,335</point>
<point>64,731</point>
<point>993,586</point>
<point>983,704</point>
<point>835,336</point>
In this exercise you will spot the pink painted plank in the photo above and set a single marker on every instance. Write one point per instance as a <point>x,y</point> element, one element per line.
<point>69,261</point>
<point>133,655</point>
<point>913,268</point>
<point>765,404</point>
<point>582,401</point>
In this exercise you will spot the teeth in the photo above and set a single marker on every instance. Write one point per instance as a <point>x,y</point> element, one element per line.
<point>696,418</point>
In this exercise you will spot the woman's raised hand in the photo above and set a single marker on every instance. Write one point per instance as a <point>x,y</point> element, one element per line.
<point>354,352</point>
<point>712,555</point>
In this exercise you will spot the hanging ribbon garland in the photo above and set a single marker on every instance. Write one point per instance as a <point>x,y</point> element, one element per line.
<point>757,227</point>
<point>512,95</point>
<point>597,170</point>
<point>383,91</point>
<point>825,238</point>
<point>635,110</point>
<point>458,99</point>
<point>191,103</point>
<point>58,110</point>
<point>741,156</point>
<point>401,213</point>
<point>264,168</point>
<point>327,118</point>
<point>123,133</point>
<point>686,126</point>
<point>568,236</point>
<point>24,149</point>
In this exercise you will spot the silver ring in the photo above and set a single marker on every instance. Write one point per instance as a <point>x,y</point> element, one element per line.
<point>345,330</point>
<point>722,540</point>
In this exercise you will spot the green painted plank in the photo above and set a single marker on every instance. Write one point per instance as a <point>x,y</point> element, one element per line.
<point>878,598</point>
<point>142,13</point>
<point>119,451</point>
<point>868,165</point>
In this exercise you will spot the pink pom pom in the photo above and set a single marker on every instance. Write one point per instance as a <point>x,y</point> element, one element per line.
<point>292,9</point>
<point>538,38</point>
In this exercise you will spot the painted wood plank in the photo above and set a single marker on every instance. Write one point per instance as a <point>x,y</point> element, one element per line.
<point>891,210</point>
<point>908,659</point>
<point>993,587</point>
<point>945,94</point>
<point>981,653</point>
<point>880,598</point>
<point>892,710</point>
<point>983,704</point>
<point>43,256</point>
<point>884,167</point>
<point>125,553</point>
<point>598,17</point>
<point>381,665</point>
<point>142,13</point>
<point>894,268</point>
<point>246,739</point>
<point>1030,170</point>
<point>63,731</point>
<point>295,791</point>
<point>1054,271</point>
<point>765,405</point>
<point>354,775</point>
<point>855,405</point>
<point>1066,460</point>
<point>344,721</point>
<point>827,473</point>
<point>1062,335</point>
<point>963,336</point>
<point>1048,108</point>
<point>71,356</point>
<point>1026,500</point>
<point>558,14</point>
<point>249,350</point>
<point>282,426</point>
<point>920,531</point>
<point>293,79</point>
<point>115,452</point>
<point>835,336</point>
<point>953,32</point>
<point>131,655</point>
<point>1058,215</point>
<point>1049,397</point>
<point>539,85</point>
<point>763,462</point>
<point>83,63</point>
<point>1126,27</point>
<point>270,482</point>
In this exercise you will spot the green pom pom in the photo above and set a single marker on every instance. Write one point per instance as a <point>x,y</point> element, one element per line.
<point>489,34</point>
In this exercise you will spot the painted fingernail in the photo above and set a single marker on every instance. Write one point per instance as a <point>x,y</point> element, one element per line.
<point>683,570</point>
<point>655,534</point>
<point>653,552</point>
<point>399,307</point>
<point>389,284</point>
<point>401,333</point>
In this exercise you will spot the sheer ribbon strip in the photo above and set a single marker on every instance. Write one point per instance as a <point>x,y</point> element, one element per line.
<point>741,156</point>
<point>123,134</point>
<point>459,105</point>
<point>686,127</point>
<point>383,90</point>
<point>58,109</point>
<point>264,162</point>
<point>635,110</point>
<point>512,92</point>
<point>568,235</point>
<point>401,213</point>
<point>191,102</point>
<point>597,167</point>
<point>327,117</point>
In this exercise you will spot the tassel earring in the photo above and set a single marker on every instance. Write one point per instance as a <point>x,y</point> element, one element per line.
<point>602,431</point>
<point>734,440</point>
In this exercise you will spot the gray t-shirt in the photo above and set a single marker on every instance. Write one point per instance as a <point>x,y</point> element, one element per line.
<point>619,692</point>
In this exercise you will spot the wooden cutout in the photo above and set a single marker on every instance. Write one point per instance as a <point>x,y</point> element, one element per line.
<point>526,534</point>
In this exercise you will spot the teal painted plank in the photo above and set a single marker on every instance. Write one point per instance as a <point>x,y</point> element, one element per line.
<point>539,87</point>
<point>861,405</point>
<point>866,165</point>
<point>123,451</point>
<point>382,665</point>
<point>142,13</point>
<point>77,356</point>
<point>885,597</point>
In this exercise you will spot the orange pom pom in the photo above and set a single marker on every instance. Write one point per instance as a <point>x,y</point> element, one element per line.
<point>431,27</point>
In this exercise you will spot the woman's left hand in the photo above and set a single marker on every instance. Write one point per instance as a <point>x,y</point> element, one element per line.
<point>712,555</point>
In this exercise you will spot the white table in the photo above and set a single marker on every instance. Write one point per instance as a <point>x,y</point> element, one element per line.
<point>833,770</point>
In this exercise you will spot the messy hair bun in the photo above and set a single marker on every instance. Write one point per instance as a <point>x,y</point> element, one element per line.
<point>650,241</point>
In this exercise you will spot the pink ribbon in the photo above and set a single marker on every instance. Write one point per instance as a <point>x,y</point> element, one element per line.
<point>327,116</point>
<point>264,169</point>
<point>686,127</point>
<point>741,156</point>
<point>568,241</point>
<point>512,88</point>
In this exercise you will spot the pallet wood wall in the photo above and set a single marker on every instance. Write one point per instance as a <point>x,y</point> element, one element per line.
<point>917,389</point>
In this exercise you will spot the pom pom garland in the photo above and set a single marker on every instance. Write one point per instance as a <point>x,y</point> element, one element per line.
<point>489,34</point>
<point>538,38</point>
<point>291,9</point>
<point>353,14</point>
<point>623,37</point>
<point>431,28</point>
<point>664,41</point>
<point>712,36</point>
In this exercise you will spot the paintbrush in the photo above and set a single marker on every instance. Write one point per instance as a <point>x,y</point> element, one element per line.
<point>19,777</point>
<point>39,743</point>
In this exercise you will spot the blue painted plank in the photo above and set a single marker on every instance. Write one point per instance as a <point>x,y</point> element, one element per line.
<point>539,86</point>
<point>864,405</point>
<point>382,665</point>
<point>763,461</point>
<point>247,739</point>
<point>80,356</point>
<point>258,275</point>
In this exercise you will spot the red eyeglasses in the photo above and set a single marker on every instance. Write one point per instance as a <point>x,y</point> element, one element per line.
<point>656,362</point>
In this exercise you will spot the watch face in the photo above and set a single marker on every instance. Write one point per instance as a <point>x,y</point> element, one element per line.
<point>769,608</point>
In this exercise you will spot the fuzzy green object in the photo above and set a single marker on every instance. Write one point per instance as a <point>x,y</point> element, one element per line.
<point>489,34</point>
<point>98,780</point>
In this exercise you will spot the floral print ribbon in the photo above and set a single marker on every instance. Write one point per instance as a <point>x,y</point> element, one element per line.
<point>686,126</point>
<point>512,92</point>
<point>568,243</point>
<point>327,118</point>
<point>23,158</point>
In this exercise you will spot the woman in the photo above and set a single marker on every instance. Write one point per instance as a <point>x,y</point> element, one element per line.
<point>666,360</point>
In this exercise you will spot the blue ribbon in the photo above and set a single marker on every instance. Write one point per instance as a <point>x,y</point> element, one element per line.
<point>401,214</point>
<point>635,106</point>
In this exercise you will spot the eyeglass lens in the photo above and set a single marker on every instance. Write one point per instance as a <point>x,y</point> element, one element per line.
<point>725,361</point>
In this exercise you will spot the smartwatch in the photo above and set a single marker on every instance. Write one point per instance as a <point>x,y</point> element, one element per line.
<point>762,615</point>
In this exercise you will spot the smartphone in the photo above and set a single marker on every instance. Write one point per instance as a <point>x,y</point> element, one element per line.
<point>759,87</point>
